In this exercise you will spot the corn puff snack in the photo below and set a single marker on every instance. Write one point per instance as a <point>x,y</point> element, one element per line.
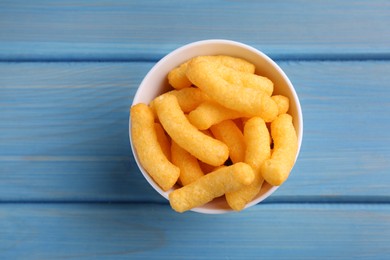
<point>209,78</point>
<point>189,167</point>
<point>149,151</point>
<point>231,62</point>
<point>210,186</point>
<point>177,77</point>
<point>163,140</point>
<point>210,113</point>
<point>175,123</point>
<point>245,79</point>
<point>282,102</point>
<point>277,169</point>
<point>189,98</point>
<point>229,133</point>
<point>258,150</point>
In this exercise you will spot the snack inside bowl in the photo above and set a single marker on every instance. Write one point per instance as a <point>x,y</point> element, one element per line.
<point>156,83</point>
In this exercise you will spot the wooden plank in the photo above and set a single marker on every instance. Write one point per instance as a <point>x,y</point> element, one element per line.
<point>64,132</point>
<point>346,114</point>
<point>129,30</point>
<point>101,231</point>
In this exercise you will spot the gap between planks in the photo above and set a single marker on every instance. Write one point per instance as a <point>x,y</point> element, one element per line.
<point>277,200</point>
<point>310,57</point>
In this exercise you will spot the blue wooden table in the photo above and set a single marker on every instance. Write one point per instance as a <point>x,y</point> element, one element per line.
<point>69,185</point>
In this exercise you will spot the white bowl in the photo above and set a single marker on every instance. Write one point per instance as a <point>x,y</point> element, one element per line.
<point>156,83</point>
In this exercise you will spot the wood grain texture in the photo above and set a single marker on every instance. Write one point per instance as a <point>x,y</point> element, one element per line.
<point>145,30</point>
<point>128,231</point>
<point>64,132</point>
<point>69,185</point>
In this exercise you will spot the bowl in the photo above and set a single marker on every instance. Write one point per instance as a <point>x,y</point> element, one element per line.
<point>156,83</point>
